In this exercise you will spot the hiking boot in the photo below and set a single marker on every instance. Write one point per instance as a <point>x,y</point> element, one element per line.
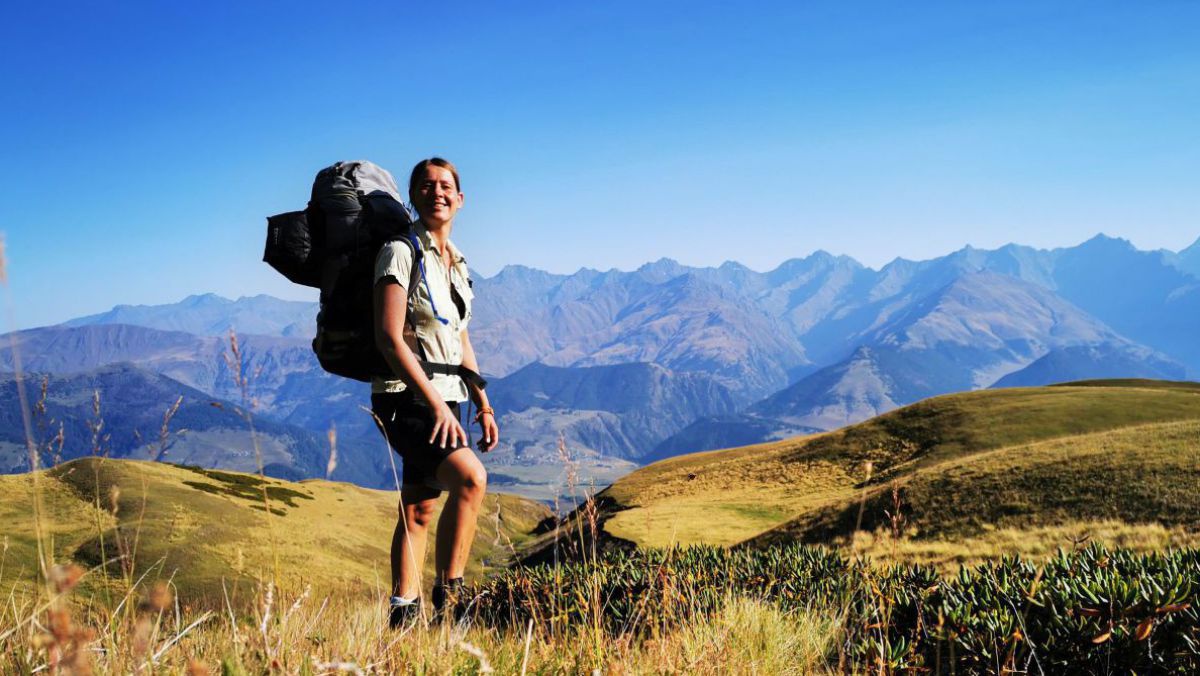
<point>446,597</point>
<point>404,616</point>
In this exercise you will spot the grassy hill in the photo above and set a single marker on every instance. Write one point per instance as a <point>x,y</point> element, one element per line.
<point>204,526</point>
<point>970,475</point>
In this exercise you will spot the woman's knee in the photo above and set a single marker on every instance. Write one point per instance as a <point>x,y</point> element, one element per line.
<point>472,481</point>
<point>464,475</point>
<point>476,479</point>
<point>419,514</point>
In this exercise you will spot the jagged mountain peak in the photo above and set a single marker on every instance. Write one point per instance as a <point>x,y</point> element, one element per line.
<point>898,264</point>
<point>817,262</point>
<point>968,259</point>
<point>1107,243</point>
<point>196,300</point>
<point>522,272</point>
<point>662,269</point>
<point>821,255</point>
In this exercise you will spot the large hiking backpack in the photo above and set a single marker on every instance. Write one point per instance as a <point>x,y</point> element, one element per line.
<point>355,209</point>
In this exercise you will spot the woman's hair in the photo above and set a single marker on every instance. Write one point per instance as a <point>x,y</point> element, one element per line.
<point>419,171</point>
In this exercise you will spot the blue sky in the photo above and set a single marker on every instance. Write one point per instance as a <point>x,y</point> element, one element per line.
<point>145,144</point>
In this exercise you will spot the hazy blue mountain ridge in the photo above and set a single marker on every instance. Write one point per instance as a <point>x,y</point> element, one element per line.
<point>621,410</point>
<point>1138,293</point>
<point>285,384</point>
<point>968,334</point>
<point>670,358</point>
<point>1088,362</point>
<point>133,403</point>
<point>211,315</point>
<point>525,315</point>
<point>689,324</point>
<point>199,361</point>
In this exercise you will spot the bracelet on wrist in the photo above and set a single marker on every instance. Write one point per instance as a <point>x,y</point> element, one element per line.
<point>484,410</point>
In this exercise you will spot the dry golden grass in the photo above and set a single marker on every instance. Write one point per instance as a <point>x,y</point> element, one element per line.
<point>976,506</point>
<point>68,523</point>
<point>161,616</point>
<point>207,528</point>
<point>971,465</point>
<point>718,497</point>
<point>1032,543</point>
<point>288,632</point>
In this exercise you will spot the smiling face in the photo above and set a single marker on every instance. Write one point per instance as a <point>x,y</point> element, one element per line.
<point>434,193</point>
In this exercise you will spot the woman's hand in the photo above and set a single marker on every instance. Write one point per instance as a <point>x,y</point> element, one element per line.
<point>447,432</point>
<point>491,433</point>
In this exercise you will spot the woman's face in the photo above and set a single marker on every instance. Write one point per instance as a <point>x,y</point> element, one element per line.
<point>436,196</point>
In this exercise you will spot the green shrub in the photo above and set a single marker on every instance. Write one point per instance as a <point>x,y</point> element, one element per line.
<point>1090,611</point>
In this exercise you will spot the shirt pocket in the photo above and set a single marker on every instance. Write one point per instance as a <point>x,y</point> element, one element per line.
<point>462,285</point>
<point>421,307</point>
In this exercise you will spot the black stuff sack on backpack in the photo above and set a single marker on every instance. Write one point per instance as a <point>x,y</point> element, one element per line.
<point>289,248</point>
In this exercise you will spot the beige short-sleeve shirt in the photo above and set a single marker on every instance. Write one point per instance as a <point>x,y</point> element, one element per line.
<point>441,341</point>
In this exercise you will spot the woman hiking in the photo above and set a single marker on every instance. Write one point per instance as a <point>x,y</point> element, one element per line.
<point>420,412</point>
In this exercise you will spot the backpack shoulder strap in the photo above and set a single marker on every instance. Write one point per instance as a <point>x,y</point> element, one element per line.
<point>414,274</point>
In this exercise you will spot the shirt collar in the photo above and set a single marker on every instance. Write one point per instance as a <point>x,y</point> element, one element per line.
<point>429,244</point>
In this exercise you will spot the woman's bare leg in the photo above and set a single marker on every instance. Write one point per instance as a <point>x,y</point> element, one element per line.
<point>417,505</point>
<point>466,478</point>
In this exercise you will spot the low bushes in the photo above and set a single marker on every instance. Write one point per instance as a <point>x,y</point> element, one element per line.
<point>1092,610</point>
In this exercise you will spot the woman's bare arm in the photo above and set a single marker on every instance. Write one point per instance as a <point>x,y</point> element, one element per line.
<point>391,306</point>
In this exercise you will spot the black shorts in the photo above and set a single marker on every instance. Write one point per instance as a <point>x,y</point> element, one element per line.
<point>408,425</point>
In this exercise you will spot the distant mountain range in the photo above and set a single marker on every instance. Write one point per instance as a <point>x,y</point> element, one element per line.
<point>211,315</point>
<point>634,366</point>
<point>133,409</point>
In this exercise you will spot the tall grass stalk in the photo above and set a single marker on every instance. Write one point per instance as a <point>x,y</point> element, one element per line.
<point>237,369</point>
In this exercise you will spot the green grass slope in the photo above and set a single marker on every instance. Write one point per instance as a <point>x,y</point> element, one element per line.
<point>201,527</point>
<point>1062,459</point>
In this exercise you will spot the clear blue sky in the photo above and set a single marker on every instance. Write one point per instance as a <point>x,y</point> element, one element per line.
<point>145,144</point>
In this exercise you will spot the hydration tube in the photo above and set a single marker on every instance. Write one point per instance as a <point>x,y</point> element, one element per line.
<point>431,368</point>
<point>424,279</point>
